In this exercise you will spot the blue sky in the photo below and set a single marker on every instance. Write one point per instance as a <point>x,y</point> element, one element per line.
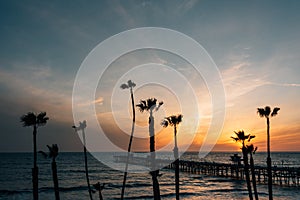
<point>255,45</point>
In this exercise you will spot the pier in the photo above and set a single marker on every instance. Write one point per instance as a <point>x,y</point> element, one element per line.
<point>283,176</point>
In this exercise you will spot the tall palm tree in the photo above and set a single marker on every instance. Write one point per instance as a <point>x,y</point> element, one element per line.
<point>53,153</point>
<point>130,85</point>
<point>251,150</point>
<point>31,119</point>
<point>150,105</point>
<point>174,120</point>
<point>241,137</point>
<point>82,126</point>
<point>265,112</point>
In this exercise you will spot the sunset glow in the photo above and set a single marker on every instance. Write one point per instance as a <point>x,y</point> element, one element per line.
<point>255,50</point>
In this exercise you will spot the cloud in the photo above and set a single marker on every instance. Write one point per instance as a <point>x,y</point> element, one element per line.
<point>238,81</point>
<point>285,84</point>
<point>37,88</point>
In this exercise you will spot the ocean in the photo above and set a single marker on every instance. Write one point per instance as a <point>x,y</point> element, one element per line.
<point>15,178</point>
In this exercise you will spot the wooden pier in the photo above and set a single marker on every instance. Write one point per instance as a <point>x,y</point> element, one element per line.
<point>284,176</point>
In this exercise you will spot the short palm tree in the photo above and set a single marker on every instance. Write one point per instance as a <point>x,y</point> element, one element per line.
<point>251,150</point>
<point>174,120</point>
<point>82,126</point>
<point>34,120</point>
<point>241,137</point>
<point>266,112</point>
<point>53,153</point>
<point>130,85</point>
<point>150,105</point>
<point>99,187</point>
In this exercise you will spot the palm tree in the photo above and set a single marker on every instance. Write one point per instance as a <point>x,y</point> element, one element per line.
<point>82,126</point>
<point>174,120</point>
<point>129,86</point>
<point>31,119</point>
<point>53,153</point>
<point>150,105</point>
<point>99,188</point>
<point>265,112</point>
<point>251,150</point>
<point>241,137</point>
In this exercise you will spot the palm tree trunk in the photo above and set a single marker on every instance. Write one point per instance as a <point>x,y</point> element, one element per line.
<point>154,172</point>
<point>253,176</point>
<point>35,168</point>
<point>86,166</point>
<point>129,145</point>
<point>269,162</point>
<point>176,164</point>
<point>246,167</point>
<point>55,180</point>
<point>100,194</point>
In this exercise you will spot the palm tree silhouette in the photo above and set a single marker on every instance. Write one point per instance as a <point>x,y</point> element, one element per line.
<point>130,85</point>
<point>174,120</point>
<point>82,126</point>
<point>53,153</point>
<point>251,150</point>
<point>31,119</point>
<point>241,137</point>
<point>150,105</point>
<point>99,188</point>
<point>265,112</point>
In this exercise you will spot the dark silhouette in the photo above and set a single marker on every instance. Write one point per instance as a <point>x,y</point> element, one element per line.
<point>151,106</point>
<point>265,112</point>
<point>251,150</point>
<point>31,119</point>
<point>82,126</point>
<point>129,86</point>
<point>174,121</point>
<point>53,153</point>
<point>241,137</point>
<point>99,188</point>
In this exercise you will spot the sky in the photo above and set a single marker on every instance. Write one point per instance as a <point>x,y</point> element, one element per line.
<point>254,44</point>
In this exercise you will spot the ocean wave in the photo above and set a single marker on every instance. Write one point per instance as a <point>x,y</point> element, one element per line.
<point>13,192</point>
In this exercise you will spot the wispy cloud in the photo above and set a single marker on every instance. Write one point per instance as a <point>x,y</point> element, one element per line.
<point>284,84</point>
<point>36,88</point>
<point>239,81</point>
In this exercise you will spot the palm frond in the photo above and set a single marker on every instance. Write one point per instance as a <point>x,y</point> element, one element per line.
<point>124,86</point>
<point>275,111</point>
<point>179,118</point>
<point>250,148</point>
<point>261,112</point>
<point>141,107</point>
<point>165,123</point>
<point>98,186</point>
<point>53,150</point>
<point>255,150</point>
<point>267,111</point>
<point>131,84</point>
<point>28,119</point>
<point>41,119</point>
<point>151,103</point>
<point>241,136</point>
<point>235,138</point>
<point>82,125</point>
<point>159,105</point>
<point>251,137</point>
